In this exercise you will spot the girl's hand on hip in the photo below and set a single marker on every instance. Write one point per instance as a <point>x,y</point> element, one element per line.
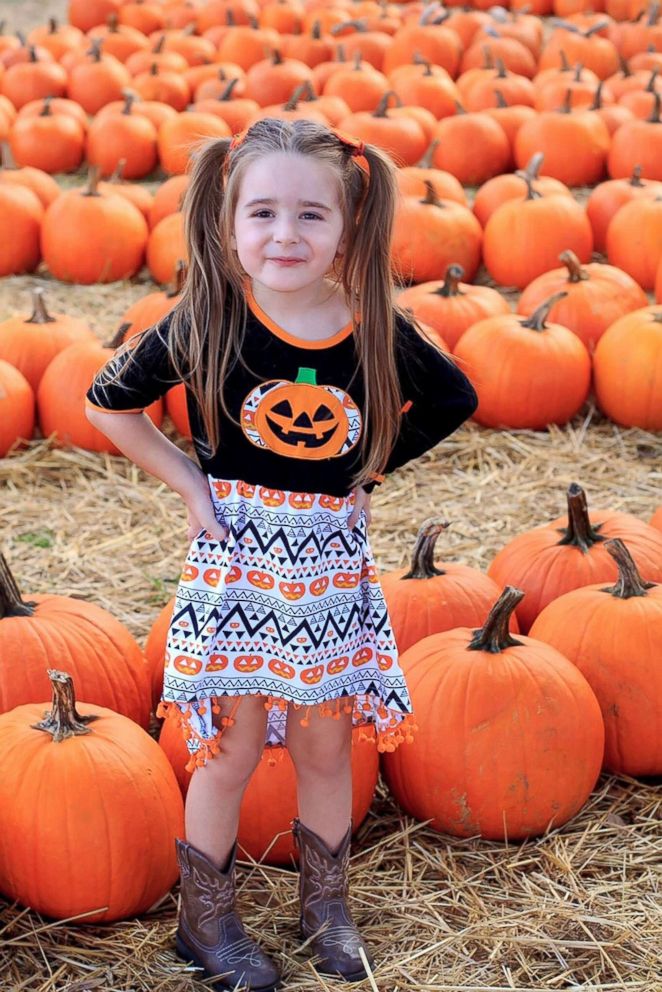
<point>201,515</point>
<point>362,502</point>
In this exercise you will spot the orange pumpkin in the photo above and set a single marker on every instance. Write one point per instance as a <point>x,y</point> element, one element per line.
<point>21,215</point>
<point>627,368</point>
<point>281,668</point>
<point>16,407</point>
<point>510,737</point>
<point>634,237</point>
<point>427,598</point>
<point>607,198</point>
<point>292,590</point>
<point>569,552</point>
<point>612,635</point>
<point>248,662</point>
<point>115,805</point>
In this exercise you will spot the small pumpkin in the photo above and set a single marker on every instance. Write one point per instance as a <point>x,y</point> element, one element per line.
<point>112,807</point>
<point>608,197</point>
<point>634,237</point>
<point>53,142</point>
<point>21,215</point>
<point>627,368</point>
<point>472,147</point>
<point>569,552</point>
<point>514,186</point>
<point>426,598</point>
<point>510,735</point>
<point>16,407</point>
<point>638,143</point>
<point>124,136</point>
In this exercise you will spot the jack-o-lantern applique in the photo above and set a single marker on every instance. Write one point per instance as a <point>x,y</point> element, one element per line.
<point>312,675</point>
<point>248,662</point>
<point>281,668</point>
<point>292,590</point>
<point>217,663</point>
<point>318,586</point>
<point>334,503</point>
<point>222,489</point>
<point>260,579</point>
<point>301,501</point>
<point>362,656</point>
<point>271,497</point>
<point>346,580</point>
<point>369,572</point>
<point>189,573</point>
<point>301,419</point>
<point>337,665</point>
<point>234,574</point>
<point>212,576</point>
<point>246,489</point>
<point>186,665</point>
<point>384,662</point>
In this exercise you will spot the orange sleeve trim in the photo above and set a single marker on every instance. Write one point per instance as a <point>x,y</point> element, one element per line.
<point>104,409</point>
<point>406,406</point>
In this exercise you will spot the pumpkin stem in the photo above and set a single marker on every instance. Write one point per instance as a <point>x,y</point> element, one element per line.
<point>533,166</point>
<point>635,178</point>
<point>357,60</point>
<point>625,66</point>
<point>431,197</point>
<point>117,175</point>
<point>63,721</point>
<point>488,60</point>
<point>501,69</point>
<point>129,100</point>
<point>227,92</point>
<point>651,82</point>
<point>580,532</point>
<point>426,161</point>
<point>180,276</point>
<point>422,559</point>
<point>575,271</point>
<point>308,376</point>
<point>118,337</point>
<point>565,64</point>
<point>536,322</point>
<point>452,279</point>
<point>316,30</point>
<point>655,112</point>
<point>494,636</point>
<point>93,177</point>
<point>531,193</point>
<point>11,602</point>
<point>630,582</point>
<point>597,99</point>
<point>8,161</point>
<point>382,106</point>
<point>158,45</point>
<point>40,314</point>
<point>500,99</point>
<point>579,68</point>
<point>276,57</point>
<point>566,106</point>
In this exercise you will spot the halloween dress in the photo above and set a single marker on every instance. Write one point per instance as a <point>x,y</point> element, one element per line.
<point>289,606</point>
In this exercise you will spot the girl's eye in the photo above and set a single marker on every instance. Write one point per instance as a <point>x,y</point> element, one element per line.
<point>309,214</point>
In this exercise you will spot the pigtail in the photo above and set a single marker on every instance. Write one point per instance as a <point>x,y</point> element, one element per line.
<point>368,283</point>
<point>211,295</point>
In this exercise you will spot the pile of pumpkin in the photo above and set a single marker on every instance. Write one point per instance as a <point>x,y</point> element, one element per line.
<point>520,697</point>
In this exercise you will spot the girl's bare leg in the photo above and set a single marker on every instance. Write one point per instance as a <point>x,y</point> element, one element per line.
<point>216,790</point>
<point>321,753</point>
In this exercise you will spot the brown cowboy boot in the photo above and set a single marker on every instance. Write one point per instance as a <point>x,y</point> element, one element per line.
<point>323,889</point>
<point>210,933</point>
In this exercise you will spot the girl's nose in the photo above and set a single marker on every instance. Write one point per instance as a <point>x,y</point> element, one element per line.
<point>285,231</point>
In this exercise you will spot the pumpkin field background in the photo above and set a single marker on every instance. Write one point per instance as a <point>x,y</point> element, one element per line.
<point>578,908</point>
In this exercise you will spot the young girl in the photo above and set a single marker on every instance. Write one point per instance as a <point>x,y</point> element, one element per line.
<point>305,387</point>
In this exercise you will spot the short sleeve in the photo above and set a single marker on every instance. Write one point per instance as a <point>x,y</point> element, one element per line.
<point>438,397</point>
<point>137,377</point>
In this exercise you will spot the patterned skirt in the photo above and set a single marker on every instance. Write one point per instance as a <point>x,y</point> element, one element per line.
<point>289,607</point>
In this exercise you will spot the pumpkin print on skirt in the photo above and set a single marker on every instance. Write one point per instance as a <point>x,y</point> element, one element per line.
<point>289,607</point>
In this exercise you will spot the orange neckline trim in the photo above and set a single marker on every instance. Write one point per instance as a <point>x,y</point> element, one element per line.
<point>284,335</point>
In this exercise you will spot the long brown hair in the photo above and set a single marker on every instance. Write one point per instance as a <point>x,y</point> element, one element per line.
<point>207,326</point>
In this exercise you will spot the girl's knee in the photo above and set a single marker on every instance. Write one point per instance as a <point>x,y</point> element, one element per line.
<point>242,721</point>
<point>322,747</point>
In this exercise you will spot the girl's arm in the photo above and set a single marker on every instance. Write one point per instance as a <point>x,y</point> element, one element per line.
<point>137,438</point>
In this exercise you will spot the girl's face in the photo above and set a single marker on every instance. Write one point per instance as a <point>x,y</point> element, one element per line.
<point>288,222</point>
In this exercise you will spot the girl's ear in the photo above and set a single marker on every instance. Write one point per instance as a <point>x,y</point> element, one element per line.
<point>233,242</point>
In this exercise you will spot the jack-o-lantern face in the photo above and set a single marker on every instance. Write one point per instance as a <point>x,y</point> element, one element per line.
<point>369,572</point>
<point>212,576</point>
<point>234,574</point>
<point>281,668</point>
<point>362,656</point>
<point>331,502</point>
<point>301,501</point>
<point>292,590</point>
<point>272,497</point>
<point>260,579</point>
<point>312,675</point>
<point>384,662</point>
<point>337,665</point>
<point>318,586</point>
<point>301,419</point>
<point>346,580</point>
<point>221,488</point>
<point>217,663</point>
<point>189,572</point>
<point>248,662</point>
<point>245,489</point>
<point>186,665</point>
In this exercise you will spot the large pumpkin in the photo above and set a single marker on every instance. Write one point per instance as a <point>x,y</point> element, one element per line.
<point>90,811</point>
<point>510,735</point>
<point>614,636</point>
<point>427,598</point>
<point>270,801</point>
<point>50,630</point>
<point>16,407</point>
<point>569,552</point>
